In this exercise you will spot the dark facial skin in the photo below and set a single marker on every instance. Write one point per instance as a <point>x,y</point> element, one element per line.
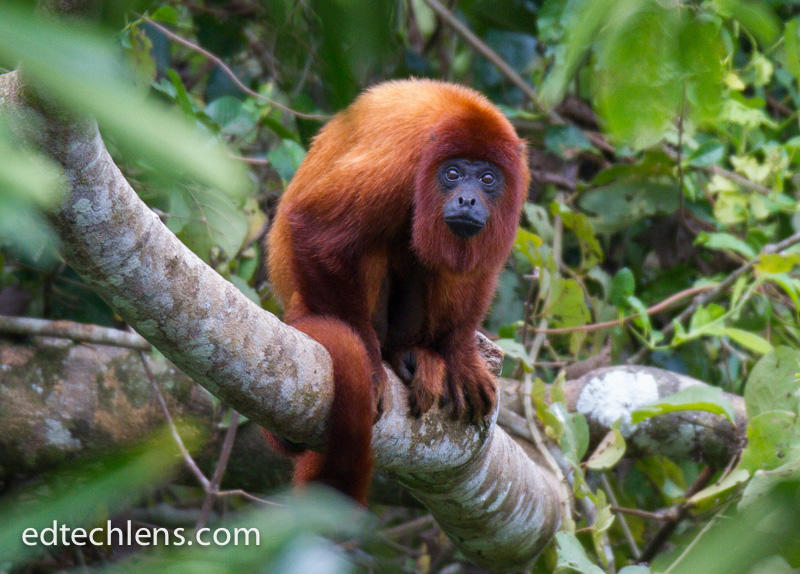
<point>470,188</point>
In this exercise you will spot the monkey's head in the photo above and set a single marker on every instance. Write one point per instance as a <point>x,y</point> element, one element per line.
<point>470,188</point>
<point>471,181</point>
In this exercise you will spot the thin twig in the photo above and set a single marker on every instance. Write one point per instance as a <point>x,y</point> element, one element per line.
<point>626,531</point>
<point>654,310</point>
<point>228,72</point>
<point>219,470</point>
<point>247,495</point>
<point>658,516</point>
<point>187,458</point>
<point>78,332</point>
<point>251,160</point>
<point>740,179</point>
<point>409,527</point>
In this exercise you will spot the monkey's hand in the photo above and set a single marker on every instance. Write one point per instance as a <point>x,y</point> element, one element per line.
<point>470,387</point>
<point>423,370</point>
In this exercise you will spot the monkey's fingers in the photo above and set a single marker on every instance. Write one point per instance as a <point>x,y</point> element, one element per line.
<point>455,395</point>
<point>482,400</point>
<point>404,365</point>
<point>378,390</point>
<point>420,400</point>
<point>429,380</point>
<point>479,395</point>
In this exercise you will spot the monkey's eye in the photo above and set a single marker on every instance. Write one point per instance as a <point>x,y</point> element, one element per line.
<point>452,174</point>
<point>487,178</point>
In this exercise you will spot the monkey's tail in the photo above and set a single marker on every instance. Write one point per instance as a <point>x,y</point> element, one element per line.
<point>346,463</point>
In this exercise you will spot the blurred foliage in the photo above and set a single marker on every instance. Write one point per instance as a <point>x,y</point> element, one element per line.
<point>669,167</point>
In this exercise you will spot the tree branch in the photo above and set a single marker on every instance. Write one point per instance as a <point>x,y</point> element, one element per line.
<point>78,332</point>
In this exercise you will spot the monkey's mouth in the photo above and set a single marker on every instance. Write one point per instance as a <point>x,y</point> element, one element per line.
<point>463,225</point>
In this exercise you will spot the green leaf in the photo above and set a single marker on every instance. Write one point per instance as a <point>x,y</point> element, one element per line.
<point>756,16</point>
<point>642,319</point>
<point>789,285</point>
<point>166,14</point>
<point>572,557</point>
<point>583,20</point>
<point>752,341</point>
<point>702,54</point>
<point>602,522</point>
<point>566,304</point>
<point>213,220</point>
<point>777,262</point>
<point>609,452</point>
<point>773,438</point>
<point>572,430</point>
<point>528,244</point>
<point>513,349</point>
<point>693,398</point>
<point>623,286</point>
<point>705,317</point>
<point>224,110</point>
<point>639,105</point>
<point>286,158</point>
<point>181,95</point>
<point>792,47</point>
<point>748,116</point>
<point>566,141</point>
<point>725,241</point>
<point>665,475</point>
<point>772,384</point>
<point>604,518</point>
<point>619,205</point>
<point>762,483</point>
<point>709,153</point>
<point>581,226</point>
<point>712,495</point>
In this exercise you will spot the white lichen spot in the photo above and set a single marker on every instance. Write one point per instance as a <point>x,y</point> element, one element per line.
<point>614,395</point>
<point>38,388</point>
<point>57,435</point>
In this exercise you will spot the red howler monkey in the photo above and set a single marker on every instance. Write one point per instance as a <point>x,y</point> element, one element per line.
<point>387,245</point>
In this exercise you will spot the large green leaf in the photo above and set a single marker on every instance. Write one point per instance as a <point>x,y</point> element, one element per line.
<point>694,398</point>
<point>773,383</point>
<point>773,438</point>
<point>638,88</point>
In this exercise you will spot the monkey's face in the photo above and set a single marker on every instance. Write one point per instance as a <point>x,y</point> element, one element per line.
<point>469,189</point>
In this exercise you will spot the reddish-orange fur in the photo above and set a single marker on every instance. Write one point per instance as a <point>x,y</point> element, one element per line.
<point>364,263</point>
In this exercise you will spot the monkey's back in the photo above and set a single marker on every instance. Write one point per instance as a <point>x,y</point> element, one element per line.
<point>365,159</point>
